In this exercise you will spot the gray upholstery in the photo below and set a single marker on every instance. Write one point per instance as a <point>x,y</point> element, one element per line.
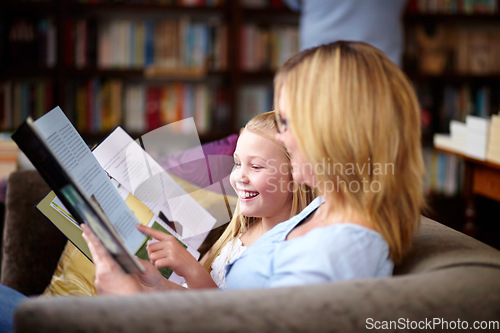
<point>31,244</point>
<point>447,276</point>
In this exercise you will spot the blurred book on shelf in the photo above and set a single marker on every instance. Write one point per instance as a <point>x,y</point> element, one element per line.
<point>453,6</point>
<point>454,47</point>
<point>470,138</point>
<point>253,100</point>
<point>444,173</point>
<point>22,98</point>
<point>267,47</point>
<point>32,41</point>
<point>493,152</point>
<point>142,43</point>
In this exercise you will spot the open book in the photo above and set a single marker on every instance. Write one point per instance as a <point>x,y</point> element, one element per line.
<point>95,187</point>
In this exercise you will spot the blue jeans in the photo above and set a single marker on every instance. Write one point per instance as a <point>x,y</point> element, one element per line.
<point>9,299</point>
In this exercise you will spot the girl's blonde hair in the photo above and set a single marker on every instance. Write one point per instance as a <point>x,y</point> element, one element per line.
<point>356,119</point>
<point>263,125</point>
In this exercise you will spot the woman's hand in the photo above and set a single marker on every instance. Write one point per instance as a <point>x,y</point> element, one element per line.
<point>109,276</point>
<point>168,252</point>
<point>110,279</point>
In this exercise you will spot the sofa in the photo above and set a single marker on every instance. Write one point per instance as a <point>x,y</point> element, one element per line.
<point>449,280</point>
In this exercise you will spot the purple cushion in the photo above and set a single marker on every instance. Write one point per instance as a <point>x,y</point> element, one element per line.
<point>224,146</point>
<point>203,172</point>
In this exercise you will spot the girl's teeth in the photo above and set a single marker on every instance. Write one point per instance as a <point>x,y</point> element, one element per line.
<point>249,195</point>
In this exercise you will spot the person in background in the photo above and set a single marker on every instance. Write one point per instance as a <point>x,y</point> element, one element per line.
<point>376,22</point>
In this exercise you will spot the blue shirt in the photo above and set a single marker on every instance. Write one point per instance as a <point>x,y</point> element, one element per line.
<point>332,253</point>
<point>376,22</point>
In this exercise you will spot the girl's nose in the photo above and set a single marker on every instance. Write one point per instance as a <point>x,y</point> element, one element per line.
<point>242,176</point>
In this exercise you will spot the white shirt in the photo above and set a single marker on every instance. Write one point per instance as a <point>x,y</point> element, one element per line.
<point>229,253</point>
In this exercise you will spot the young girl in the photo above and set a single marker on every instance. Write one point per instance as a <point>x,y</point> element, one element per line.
<point>267,195</point>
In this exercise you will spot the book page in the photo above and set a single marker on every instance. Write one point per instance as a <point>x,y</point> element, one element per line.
<point>76,156</point>
<point>140,174</point>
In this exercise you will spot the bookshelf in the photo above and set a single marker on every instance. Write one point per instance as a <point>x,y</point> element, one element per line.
<point>451,55</point>
<point>141,64</point>
<point>268,37</point>
<point>73,54</point>
<point>57,56</point>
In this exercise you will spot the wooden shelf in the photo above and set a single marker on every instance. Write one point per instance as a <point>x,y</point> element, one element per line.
<point>446,18</point>
<point>143,75</point>
<point>271,15</point>
<point>481,178</point>
<point>148,9</point>
<point>468,158</point>
<point>450,77</point>
<point>27,8</point>
<point>12,73</point>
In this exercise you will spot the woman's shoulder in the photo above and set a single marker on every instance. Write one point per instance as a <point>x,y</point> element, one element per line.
<point>341,238</point>
<point>339,251</point>
<point>345,234</point>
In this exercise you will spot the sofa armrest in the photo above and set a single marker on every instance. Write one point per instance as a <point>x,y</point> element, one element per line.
<point>466,293</point>
<point>31,244</point>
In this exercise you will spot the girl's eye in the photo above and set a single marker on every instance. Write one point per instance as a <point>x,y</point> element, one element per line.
<point>256,167</point>
<point>236,164</point>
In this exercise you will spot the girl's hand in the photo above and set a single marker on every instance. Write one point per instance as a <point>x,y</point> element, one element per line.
<point>168,252</point>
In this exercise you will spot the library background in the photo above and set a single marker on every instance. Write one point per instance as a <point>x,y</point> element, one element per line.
<point>144,63</point>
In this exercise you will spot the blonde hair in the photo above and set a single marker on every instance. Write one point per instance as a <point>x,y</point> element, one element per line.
<point>356,119</point>
<point>263,125</point>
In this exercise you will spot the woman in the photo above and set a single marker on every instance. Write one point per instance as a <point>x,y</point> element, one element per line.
<point>350,120</point>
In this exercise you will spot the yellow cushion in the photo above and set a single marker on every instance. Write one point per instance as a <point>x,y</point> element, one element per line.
<point>74,275</point>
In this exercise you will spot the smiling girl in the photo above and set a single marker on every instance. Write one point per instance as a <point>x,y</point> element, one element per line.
<point>262,180</point>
